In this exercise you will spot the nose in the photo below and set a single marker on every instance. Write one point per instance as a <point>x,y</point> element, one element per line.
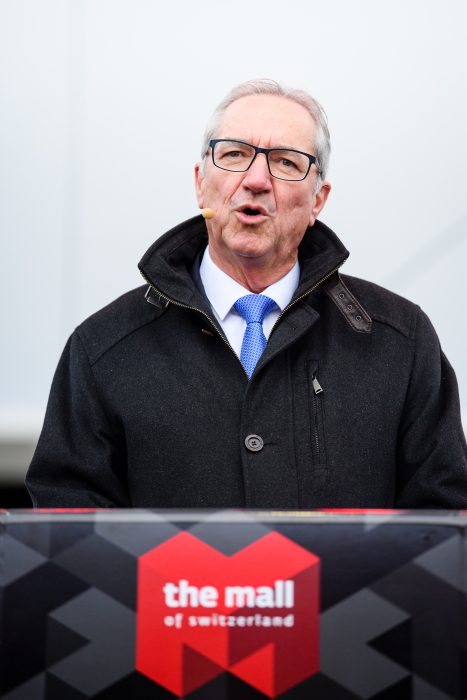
<point>258,178</point>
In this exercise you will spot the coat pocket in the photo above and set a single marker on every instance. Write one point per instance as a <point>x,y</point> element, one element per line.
<point>316,394</point>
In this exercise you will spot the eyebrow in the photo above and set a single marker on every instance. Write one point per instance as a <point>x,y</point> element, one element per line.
<point>282,148</point>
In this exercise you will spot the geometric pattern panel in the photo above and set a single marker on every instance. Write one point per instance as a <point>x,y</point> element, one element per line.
<point>347,657</point>
<point>32,688</point>
<point>396,643</point>
<point>26,604</point>
<point>439,561</point>
<point>438,629</point>
<point>101,564</point>
<point>392,618</point>
<point>109,628</point>
<point>425,691</point>
<point>21,560</point>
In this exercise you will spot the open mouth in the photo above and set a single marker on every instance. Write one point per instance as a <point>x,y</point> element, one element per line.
<point>251,212</point>
<point>251,215</point>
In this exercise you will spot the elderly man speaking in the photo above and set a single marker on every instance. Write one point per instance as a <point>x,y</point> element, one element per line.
<point>248,372</point>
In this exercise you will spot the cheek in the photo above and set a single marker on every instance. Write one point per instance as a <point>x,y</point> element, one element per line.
<point>219,198</point>
<point>297,206</point>
<point>218,192</point>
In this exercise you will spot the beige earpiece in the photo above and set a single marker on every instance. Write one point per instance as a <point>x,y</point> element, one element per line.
<point>208,213</point>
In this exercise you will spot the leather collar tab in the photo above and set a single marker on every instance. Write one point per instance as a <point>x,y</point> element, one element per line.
<point>348,305</point>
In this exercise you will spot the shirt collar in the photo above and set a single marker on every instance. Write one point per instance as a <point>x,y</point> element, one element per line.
<point>223,291</point>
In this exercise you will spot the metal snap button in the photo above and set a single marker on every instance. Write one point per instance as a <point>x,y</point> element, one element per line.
<point>254,443</point>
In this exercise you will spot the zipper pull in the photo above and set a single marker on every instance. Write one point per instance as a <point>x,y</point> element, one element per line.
<point>317,388</point>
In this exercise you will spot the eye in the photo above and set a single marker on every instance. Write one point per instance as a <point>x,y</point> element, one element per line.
<point>233,154</point>
<point>283,160</point>
<point>286,163</point>
<point>232,151</point>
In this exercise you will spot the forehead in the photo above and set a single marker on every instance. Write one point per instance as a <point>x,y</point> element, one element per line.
<point>268,120</point>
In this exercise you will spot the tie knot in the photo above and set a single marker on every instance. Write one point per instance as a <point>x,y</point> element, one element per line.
<point>254,307</point>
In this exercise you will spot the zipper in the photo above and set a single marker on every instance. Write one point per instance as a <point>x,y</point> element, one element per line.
<point>200,311</point>
<point>317,390</point>
<point>224,340</point>
<point>305,294</point>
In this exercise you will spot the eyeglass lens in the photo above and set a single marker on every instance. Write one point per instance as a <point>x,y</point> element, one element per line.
<point>283,163</point>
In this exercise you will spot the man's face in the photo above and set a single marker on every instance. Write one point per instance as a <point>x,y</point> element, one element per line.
<point>287,208</point>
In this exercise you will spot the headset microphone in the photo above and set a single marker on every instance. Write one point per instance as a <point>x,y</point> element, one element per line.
<point>208,213</point>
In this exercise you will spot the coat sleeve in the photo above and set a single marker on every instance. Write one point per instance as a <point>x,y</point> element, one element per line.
<point>432,453</point>
<point>79,461</point>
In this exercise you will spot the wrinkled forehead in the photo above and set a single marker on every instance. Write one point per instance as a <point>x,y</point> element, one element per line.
<point>268,121</point>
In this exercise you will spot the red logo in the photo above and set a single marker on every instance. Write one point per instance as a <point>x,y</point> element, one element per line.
<point>253,614</point>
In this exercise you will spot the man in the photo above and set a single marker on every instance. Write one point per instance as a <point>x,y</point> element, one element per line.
<point>177,400</point>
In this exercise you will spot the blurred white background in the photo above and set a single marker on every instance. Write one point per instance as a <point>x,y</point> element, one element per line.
<point>102,108</point>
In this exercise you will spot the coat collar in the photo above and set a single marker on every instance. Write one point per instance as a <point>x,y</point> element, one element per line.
<point>167,265</point>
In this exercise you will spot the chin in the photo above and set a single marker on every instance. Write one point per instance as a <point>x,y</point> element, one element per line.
<point>250,249</point>
<point>249,242</point>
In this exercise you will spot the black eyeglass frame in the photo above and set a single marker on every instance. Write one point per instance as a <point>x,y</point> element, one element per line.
<point>311,159</point>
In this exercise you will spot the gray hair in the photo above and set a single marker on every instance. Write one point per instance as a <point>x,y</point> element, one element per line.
<point>321,141</point>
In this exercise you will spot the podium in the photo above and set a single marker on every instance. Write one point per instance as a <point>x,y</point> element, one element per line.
<point>139,604</point>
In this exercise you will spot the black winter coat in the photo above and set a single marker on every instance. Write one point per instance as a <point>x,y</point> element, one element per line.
<point>351,405</point>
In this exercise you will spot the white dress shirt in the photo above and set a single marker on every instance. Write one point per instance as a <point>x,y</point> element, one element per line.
<point>223,291</point>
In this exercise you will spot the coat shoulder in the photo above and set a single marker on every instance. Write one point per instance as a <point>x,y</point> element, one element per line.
<point>115,322</point>
<point>385,306</point>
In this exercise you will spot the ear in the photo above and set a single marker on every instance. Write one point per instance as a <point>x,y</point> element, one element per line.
<point>199,185</point>
<point>319,200</point>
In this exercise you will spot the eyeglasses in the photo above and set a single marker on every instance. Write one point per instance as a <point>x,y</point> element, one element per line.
<point>283,163</point>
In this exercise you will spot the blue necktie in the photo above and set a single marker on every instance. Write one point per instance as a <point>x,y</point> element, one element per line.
<point>253,308</point>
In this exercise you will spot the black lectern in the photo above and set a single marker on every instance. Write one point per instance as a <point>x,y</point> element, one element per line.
<point>144,604</point>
